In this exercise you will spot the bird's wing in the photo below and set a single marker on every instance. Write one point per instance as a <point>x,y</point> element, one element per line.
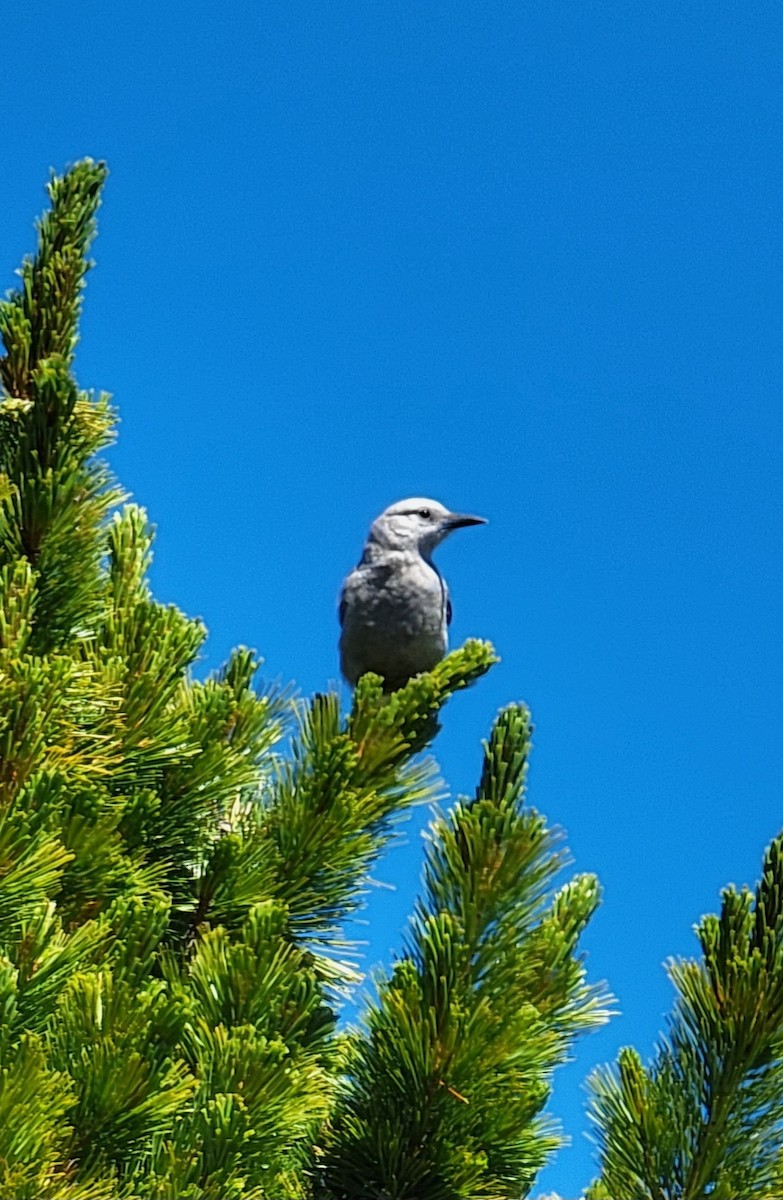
<point>449,609</point>
<point>348,594</point>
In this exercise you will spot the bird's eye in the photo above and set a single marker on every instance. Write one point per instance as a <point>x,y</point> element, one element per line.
<point>426,513</point>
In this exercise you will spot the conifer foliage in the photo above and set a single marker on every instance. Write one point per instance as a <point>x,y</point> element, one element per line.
<point>179,857</point>
<point>446,1084</point>
<point>706,1118</point>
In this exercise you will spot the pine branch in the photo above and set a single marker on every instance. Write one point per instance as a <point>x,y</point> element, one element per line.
<point>39,321</point>
<point>445,1087</point>
<point>53,494</point>
<point>334,803</point>
<point>706,1119</point>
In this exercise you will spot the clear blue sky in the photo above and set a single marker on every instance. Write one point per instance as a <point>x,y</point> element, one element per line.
<point>525,258</point>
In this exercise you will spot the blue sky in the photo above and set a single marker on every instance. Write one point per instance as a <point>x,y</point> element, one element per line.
<point>523,258</point>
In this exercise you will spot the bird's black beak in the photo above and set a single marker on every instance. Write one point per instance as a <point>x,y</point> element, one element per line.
<point>462,520</point>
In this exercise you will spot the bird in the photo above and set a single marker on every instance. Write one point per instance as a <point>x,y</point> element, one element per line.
<point>395,608</point>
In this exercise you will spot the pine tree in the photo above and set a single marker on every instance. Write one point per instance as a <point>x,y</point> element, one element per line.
<point>178,859</point>
<point>706,1118</point>
<point>446,1084</point>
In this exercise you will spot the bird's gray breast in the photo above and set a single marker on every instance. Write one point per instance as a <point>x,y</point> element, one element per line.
<point>393,616</point>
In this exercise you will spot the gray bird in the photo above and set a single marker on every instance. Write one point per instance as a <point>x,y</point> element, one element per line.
<point>394,607</point>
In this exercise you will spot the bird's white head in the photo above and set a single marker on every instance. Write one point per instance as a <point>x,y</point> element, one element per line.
<point>417,525</point>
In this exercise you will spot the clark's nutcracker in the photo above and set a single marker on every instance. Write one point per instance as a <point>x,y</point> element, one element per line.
<point>394,607</point>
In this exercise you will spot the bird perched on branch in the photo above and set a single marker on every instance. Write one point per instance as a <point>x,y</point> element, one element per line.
<point>394,607</point>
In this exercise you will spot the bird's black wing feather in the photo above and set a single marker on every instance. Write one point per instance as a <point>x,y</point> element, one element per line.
<point>449,610</point>
<point>342,608</point>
